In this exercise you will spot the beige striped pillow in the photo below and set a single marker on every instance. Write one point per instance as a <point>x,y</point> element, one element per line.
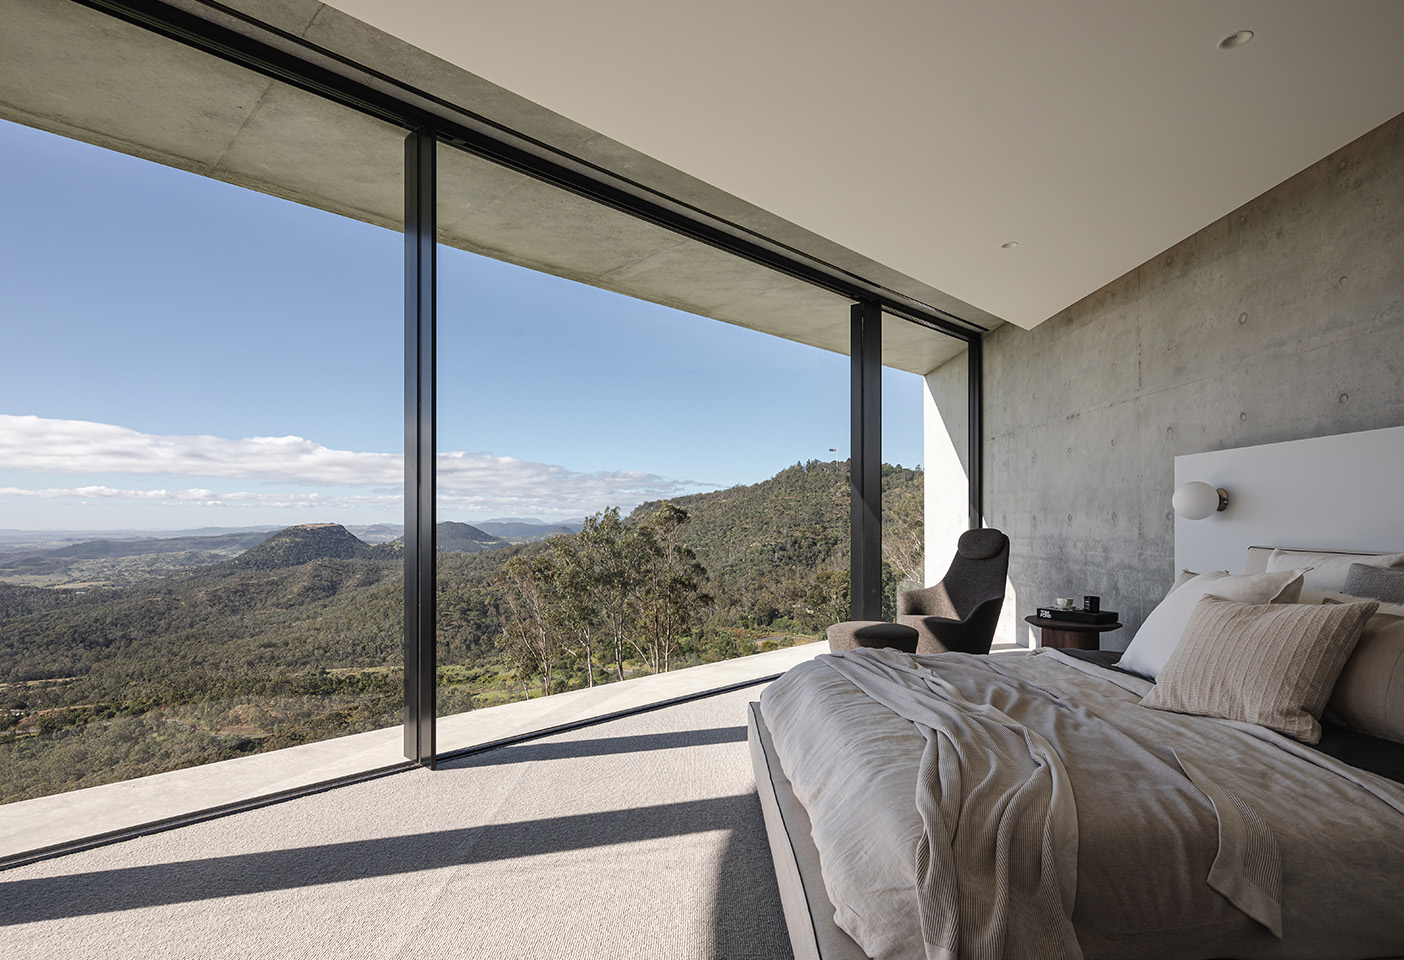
<point>1269,664</point>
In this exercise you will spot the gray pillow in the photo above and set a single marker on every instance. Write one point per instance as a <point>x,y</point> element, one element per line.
<point>1327,571</point>
<point>1377,583</point>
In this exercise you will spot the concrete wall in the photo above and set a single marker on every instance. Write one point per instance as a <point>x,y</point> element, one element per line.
<point>1283,320</point>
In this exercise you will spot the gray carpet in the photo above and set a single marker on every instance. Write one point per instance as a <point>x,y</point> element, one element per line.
<point>637,838</point>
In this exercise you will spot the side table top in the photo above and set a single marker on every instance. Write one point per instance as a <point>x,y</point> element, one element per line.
<point>1054,624</point>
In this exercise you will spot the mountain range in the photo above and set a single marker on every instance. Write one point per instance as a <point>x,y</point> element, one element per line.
<point>130,560</point>
<point>527,530</point>
<point>198,650</point>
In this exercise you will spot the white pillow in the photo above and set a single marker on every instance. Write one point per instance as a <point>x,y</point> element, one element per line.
<point>1327,571</point>
<point>1160,634</point>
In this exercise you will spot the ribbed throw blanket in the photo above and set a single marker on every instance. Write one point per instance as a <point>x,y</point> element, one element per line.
<point>996,866</point>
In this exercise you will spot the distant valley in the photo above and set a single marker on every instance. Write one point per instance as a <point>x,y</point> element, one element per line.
<point>30,558</point>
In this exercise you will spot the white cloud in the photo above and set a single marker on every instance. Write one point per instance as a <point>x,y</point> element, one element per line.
<point>80,446</point>
<point>201,498</point>
<point>477,484</point>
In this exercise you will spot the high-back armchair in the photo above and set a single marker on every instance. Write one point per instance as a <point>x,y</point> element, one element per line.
<point>960,613</point>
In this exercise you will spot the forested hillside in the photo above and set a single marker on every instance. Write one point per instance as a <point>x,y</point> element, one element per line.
<point>298,637</point>
<point>780,547</point>
<point>228,659</point>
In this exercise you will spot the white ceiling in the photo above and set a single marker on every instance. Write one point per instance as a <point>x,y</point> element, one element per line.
<point>926,133</point>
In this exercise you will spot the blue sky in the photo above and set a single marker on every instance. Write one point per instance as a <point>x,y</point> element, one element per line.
<point>183,353</point>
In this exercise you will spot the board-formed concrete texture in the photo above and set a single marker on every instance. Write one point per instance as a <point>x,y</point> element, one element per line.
<point>1281,321</point>
<point>79,73</point>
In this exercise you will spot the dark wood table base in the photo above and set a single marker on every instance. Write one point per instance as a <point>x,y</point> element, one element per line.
<point>1067,635</point>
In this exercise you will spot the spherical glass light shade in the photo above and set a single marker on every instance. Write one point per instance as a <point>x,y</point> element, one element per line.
<point>1197,500</point>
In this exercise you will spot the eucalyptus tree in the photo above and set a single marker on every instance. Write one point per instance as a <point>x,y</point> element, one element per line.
<point>575,609</point>
<point>530,635</point>
<point>903,536</point>
<point>609,551</point>
<point>670,593</point>
<point>828,596</point>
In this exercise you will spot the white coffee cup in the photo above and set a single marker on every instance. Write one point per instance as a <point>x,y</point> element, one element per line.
<point>1065,603</point>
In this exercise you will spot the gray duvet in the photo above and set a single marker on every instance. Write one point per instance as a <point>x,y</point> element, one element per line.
<point>1026,806</point>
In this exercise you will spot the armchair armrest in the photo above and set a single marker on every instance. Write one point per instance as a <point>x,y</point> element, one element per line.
<point>928,602</point>
<point>974,634</point>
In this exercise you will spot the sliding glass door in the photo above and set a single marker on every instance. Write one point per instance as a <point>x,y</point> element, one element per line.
<point>199,416</point>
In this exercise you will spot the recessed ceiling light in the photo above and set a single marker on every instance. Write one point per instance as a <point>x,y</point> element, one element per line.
<point>1235,40</point>
<point>1010,245</point>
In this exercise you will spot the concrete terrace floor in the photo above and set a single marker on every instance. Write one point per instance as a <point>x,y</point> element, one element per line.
<point>66,818</point>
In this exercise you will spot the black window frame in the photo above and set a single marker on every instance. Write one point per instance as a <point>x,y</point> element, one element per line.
<point>429,120</point>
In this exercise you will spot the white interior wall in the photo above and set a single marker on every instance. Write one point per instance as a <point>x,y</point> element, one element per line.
<point>947,446</point>
<point>1339,492</point>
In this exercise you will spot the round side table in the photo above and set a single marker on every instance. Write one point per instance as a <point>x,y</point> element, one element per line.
<point>1069,635</point>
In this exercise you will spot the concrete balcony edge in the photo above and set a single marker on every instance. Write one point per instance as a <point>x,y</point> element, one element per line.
<point>30,829</point>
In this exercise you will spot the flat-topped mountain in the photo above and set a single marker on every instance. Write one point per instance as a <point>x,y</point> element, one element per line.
<point>303,544</point>
<point>301,637</point>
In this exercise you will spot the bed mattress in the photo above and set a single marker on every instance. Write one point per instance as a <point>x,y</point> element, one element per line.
<point>1129,832</point>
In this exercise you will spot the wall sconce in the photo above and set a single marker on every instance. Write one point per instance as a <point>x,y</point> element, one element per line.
<point>1197,500</point>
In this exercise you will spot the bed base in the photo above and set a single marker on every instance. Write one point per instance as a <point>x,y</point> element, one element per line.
<point>809,914</point>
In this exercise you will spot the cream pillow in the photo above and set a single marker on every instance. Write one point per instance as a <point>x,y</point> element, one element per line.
<point>1269,664</point>
<point>1185,577</point>
<point>1156,640</point>
<point>1369,696</point>
<point>1328,571</point>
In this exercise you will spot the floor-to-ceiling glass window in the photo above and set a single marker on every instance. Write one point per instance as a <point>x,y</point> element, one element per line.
<point>627,484</point>
<point>200,409</point>
<point>642,459</point>
<point>903,485</point>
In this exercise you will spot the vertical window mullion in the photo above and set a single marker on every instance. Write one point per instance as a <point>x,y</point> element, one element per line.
<point>865,466</point>
<point>420,443</point>
<point>975,426</point>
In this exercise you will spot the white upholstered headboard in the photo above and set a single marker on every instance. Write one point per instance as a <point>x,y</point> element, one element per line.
<point>1257,558</point>
<point>1340,492</point>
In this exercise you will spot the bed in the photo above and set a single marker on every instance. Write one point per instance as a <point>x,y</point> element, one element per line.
<point>1043,804</point>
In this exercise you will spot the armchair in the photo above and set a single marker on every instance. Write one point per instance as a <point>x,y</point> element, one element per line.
<point>960,613</point>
